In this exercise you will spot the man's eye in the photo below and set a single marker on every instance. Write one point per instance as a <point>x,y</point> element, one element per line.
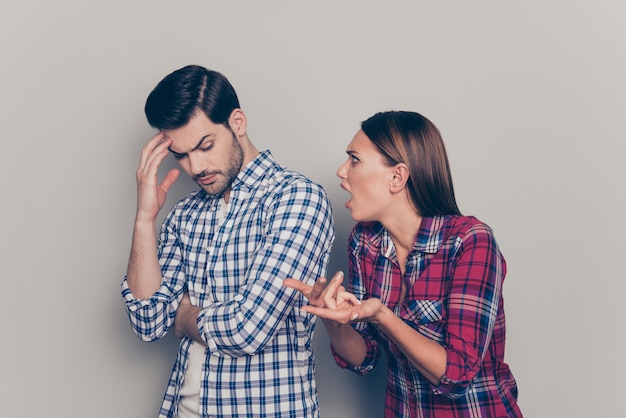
<point>205,149</point>
<point>178,156</point>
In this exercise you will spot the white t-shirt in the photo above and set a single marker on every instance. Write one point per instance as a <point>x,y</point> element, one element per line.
<point>189,405</point>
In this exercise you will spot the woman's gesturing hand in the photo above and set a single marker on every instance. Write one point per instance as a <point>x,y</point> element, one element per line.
<point>333,302</point>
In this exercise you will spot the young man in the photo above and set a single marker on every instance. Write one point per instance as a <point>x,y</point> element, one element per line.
<point>215,276</point>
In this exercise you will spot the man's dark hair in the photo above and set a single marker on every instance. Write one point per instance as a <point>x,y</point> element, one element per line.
<point>182,93</point>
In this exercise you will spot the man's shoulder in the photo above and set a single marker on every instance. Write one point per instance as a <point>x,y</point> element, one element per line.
<point>286,180</point>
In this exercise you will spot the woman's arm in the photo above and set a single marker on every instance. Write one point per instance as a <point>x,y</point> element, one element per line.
<point>426,355</point>
<point>332,303</point>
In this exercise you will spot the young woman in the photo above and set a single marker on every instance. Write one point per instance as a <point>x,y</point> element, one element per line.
<point>425,282</point>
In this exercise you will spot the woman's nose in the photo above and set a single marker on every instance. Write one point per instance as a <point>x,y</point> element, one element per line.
<point>341,171</point>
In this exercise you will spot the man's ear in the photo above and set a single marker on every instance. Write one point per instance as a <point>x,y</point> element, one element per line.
<point>400,175</point>
<point>238,122</point>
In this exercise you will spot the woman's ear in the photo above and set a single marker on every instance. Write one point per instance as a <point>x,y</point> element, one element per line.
<point>238,122</point>
<point>400,175</point>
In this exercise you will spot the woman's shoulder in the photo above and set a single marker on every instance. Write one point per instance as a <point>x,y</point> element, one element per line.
<point>459,225</point>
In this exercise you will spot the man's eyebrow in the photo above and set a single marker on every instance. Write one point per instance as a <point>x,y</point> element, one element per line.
<point>204,138</point>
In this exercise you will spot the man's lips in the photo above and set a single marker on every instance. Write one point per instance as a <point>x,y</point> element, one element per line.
<point>206,180</point>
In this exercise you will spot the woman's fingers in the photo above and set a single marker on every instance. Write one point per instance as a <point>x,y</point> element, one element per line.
<point>295,284</point>
<point>346,297</point>
<point>317,289</point>
<point>342,316</point>
<point>330,293</point>
<point>320,295</point>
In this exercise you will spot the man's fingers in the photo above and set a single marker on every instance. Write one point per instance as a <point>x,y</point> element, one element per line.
<point>169,179</point>
<point>154,152</point>
<point>186,299</point>
<point>156,157</point>
<point>156,140</point>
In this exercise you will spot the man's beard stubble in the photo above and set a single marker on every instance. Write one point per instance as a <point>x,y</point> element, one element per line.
<point>235,161</point>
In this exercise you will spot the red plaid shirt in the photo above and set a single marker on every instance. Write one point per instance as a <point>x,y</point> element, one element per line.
<point>454,277</point>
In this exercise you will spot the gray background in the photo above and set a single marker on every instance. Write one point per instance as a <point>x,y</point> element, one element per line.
<point>529,97</point>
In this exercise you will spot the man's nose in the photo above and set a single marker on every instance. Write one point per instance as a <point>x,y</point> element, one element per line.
<point>196,165</point>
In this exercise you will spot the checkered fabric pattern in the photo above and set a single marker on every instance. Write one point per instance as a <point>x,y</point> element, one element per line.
<point>259,360</point>
<point>454,276</point>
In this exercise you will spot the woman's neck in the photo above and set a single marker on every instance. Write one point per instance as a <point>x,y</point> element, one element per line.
<point>402,225</point>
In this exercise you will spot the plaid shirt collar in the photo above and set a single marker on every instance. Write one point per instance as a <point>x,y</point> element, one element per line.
<point>429,238</point>
<point>250,177</point>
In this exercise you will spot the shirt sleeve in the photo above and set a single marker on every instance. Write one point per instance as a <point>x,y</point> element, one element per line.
<point>151,318</point>
<point>474,298</point>
<point>356,260</point>
<point>297,244</point>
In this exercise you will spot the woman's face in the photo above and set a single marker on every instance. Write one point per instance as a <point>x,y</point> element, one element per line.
<point>366,176</point>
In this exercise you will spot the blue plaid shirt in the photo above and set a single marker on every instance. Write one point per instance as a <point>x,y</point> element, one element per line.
<point>259,359</point>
